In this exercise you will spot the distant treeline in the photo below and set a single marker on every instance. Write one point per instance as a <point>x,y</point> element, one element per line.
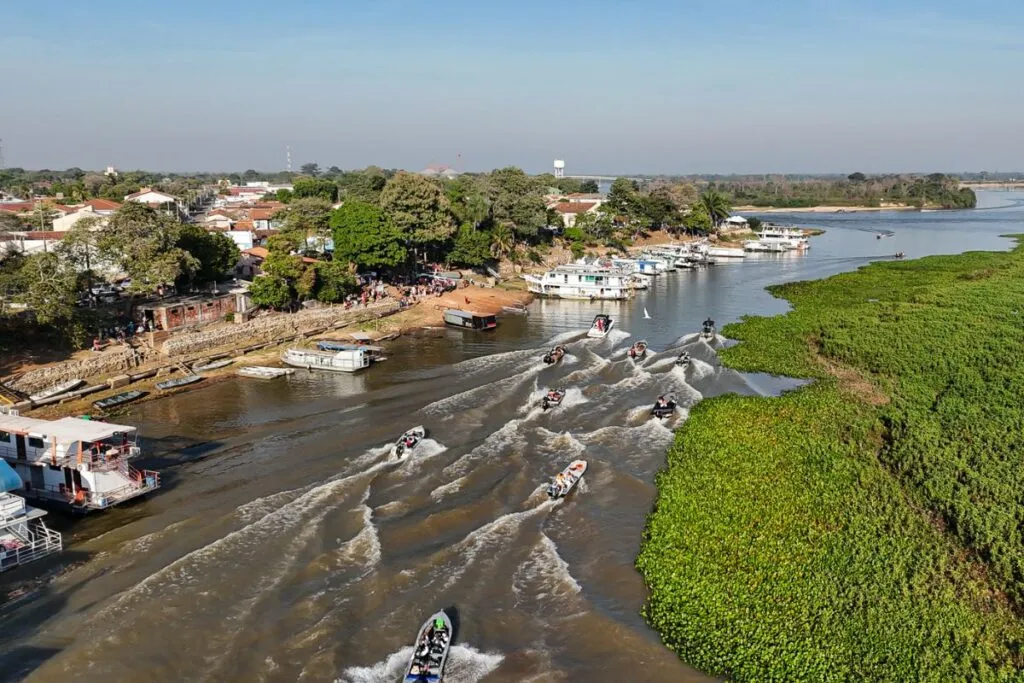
<point>937,191</point>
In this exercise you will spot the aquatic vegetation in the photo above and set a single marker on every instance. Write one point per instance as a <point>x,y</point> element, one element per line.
<point>868,526</point>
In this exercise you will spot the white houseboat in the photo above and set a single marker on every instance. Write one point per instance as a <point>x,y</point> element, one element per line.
<point>23,535</point>
<point>581,282</point>
<point>767,247</point>
<point>790,238</point>
<point>351,360</point>
<point>73,462</point>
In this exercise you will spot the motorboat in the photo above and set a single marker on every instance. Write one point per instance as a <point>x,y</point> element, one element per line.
<point>899,255</point>
<point>552,398</point>
<point>554,355</point>
<point>708,329</point>
<point>405,445</point>
<point>566,480</point>
<point>430,652</point>
<point>638,350</point>
<point>664,407</point>
<point>683,359</point>
<point>350,360</point>
<point>601,327</point>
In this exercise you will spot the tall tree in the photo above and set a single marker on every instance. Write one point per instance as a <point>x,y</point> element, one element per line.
<point>80,248</point>
<point>216,253</point>
<point>143,243</point>
<point>315,187</point>
<point>503,241</point>
<point>471,247</point>
<point>715,205</point>
<point>622,196</point>
<point>417,207</point>
<point>363,235</point>
<point>51,287</point>
<point>311,169</point>
<point>365,185</point>
<point>518,201</point>
<point>308,220</point>
<point>589,187</point>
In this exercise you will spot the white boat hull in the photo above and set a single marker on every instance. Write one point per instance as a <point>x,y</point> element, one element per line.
<point>571,477</point>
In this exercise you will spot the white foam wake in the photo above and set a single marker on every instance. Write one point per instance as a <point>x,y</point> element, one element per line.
<point>544,576</point>
<point>465,664</point>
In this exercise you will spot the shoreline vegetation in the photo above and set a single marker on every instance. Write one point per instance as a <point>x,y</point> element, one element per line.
<point>866,526</point>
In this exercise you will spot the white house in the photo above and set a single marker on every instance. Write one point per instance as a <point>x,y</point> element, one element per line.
<point>65,223</point>
<point>217,221</point>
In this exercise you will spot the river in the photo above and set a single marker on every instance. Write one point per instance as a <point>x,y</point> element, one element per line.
<point>285,546</point>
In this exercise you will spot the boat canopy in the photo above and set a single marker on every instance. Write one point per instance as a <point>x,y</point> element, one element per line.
<point>64,430</point>
<point>9,479</point>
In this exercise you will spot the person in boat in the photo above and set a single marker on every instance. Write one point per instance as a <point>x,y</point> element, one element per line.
<point>599,324</point>
<point>661,402</point>
<point>409,441</point>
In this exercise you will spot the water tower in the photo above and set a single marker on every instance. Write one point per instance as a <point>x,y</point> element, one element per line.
<point>559,168</point>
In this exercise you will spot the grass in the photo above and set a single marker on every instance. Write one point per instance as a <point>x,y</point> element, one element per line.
<point>866,527</point>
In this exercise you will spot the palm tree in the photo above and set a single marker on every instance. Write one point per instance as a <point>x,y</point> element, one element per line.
<point>503,241</point>
<point>716,206</point>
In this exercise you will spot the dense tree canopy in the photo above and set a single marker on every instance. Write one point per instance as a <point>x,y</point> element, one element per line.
<point>418,208</point>
<point>363,235</point>
<point>144,244</point>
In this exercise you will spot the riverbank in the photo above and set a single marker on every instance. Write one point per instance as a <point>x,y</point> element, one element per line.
<point>825,209</point>
<point>863,527</point>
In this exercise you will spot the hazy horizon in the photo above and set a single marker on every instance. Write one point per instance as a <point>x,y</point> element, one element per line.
<point>642,87</point>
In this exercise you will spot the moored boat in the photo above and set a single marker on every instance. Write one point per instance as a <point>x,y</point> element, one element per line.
<point>214,365</point>
<point>57,390</point>
<point>351,360</point>
<point>582,281</point>
<point>664,407</point>
<point>552,398</point>
<point>178,382</point>
<point>263,372</point>
<point>430,652</point>
<point>374,353</point>
<point>556,354</point>
<point>708,329</point>
<point>468,320</point>
<point>406,443</point>
<point>638,350</point>
<point>566,480</point>
<point>601,327</point>
<point>119,399</point>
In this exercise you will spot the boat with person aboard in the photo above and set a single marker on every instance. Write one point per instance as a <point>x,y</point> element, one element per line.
<point>683,359</point>
<point>566,480</point>
<point>707,330</point>
<point>430,651</point>
<point>601,326</point>
<point>556,354</point>
<point>75,463</point>
<point>406,443</point>
<point>664,407</point>
<point>552,398</point>
<point>638,350</point>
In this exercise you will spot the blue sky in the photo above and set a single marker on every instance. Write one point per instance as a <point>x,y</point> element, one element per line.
<point>620,86</point>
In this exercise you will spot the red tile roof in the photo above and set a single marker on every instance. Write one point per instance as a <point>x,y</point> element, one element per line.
<point>258,252</point>
<point>262,214</point>
<point>242,225</point>
<point>103,204</point>
<point>574,207</point>
<point>36,235</point>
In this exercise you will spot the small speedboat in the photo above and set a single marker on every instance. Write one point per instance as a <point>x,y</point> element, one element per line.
<point>601,327</point>
<point>566,480</point>
<point>430,652</point>
<point>708,329</point>
<point>665,406</point>
<point>405,445</point>
<point>552,398</point>
<point>554,355</point>
<point>899,254</point>
<point>683,359</point>
<point>638,350</point>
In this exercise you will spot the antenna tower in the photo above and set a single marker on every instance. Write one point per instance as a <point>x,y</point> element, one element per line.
<point>288,155</point>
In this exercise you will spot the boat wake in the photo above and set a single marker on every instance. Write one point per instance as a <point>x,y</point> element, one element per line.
<point>465,664</point>
<point>544,578</point>
<point>504,438</point>
<point>480,396</point>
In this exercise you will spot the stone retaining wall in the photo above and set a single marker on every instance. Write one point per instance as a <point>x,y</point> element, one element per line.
<point>270,328</point>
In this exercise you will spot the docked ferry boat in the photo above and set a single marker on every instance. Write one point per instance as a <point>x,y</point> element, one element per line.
<point>348,360</point>
<point>23,535</point>
<point>582,282</point>
<point>789,238</point>
<point>74,463</point>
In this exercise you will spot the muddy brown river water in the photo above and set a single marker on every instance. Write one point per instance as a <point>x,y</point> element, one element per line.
<point>286,547</point>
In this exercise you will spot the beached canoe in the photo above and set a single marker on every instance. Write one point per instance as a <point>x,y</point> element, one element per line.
<point>206,367</point>
<point>57,389</point>
<point>264,372</point>
<point>119,399</point>
<point>178,382</point>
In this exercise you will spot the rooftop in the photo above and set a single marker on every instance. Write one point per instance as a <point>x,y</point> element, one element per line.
<point>65,430</point>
